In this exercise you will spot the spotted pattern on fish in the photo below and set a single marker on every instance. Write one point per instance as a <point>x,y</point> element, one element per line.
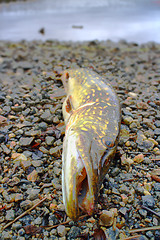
<point>94,122</point>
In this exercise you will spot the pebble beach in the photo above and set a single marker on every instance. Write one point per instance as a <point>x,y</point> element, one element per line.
<point>32,131</point>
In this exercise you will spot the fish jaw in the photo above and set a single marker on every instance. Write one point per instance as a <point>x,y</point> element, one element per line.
<point>78,180</point>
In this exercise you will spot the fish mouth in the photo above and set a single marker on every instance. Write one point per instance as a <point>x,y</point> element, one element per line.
<point>78,187</point>
<point>85,195</point>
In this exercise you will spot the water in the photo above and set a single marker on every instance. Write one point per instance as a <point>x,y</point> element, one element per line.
<point>132,20</point>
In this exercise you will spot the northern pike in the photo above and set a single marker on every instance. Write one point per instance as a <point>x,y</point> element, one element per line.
<point>92,116</point>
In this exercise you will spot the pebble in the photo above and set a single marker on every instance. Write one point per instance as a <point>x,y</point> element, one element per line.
<point>25,141</point>
<point>26,204</point>
<point>61,230</point>
<point>49,140</point>
<point>33,193</point>
<point>10,215</point>
<point>148,201</point>
<point>73,233</point>
<point>143,212</point>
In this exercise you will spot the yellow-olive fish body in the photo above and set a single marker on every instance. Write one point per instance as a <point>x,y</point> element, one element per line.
<point>92,116</point>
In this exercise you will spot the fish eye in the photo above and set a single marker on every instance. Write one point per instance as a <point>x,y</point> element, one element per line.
<point>109,143</point>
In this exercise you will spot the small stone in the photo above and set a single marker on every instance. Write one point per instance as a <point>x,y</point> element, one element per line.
<point>26,204</point>
<point>127,120</point>
<point>32,176</point>
<point>6,150</point>
<point>74,232</point>
<point>139,158</point>
<point>43,126</point>
<point>25,164</point>
<point>156,186</point>
<point>10,215</point>
<point>18,197</point>
<point>46,116</point>
<point>124,198</point>
<point>49,140</point>
<point>43,149</point>
<point>107,218</point>
<point>7,235</point>
<point>21,232</point>
<point>33,193</point>
<point>18,108</point>
<point>14,181</point>
<point>115,172</point>
<point>148,201</point>
<point>25,141</point>
<point>16,225</point>
<point>61,230</point>
<point>123,210</point>
<point>38,221</point>
<point>55,151</point>
<point>143,212</point>
<point>124,189</point>
<point>2,120</point>
<point>37,163</point>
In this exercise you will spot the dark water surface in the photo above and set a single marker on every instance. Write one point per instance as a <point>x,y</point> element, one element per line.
<point>132,20</point>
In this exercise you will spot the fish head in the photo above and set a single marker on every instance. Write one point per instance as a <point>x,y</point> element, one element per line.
<point>79,178</point>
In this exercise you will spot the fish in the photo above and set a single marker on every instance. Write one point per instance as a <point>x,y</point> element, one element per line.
<point>92,117</point>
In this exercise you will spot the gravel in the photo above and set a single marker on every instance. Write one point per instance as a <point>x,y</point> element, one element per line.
<point>32,130</point>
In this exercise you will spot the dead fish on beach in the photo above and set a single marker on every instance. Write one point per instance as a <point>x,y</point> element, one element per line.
<point>92,116</point>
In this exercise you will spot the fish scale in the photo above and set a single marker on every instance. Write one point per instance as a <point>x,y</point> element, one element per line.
<point>92,116</point>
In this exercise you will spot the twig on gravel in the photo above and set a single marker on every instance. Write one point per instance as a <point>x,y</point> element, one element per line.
<point>144,229</point>
<point>150,210</point>
<point>155,159</point>
<point>64,223</point>
<point>24,213</point>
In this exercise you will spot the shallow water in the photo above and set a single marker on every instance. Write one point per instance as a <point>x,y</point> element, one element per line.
<point>132,20</point>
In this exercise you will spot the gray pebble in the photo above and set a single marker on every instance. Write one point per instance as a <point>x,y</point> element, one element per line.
<point>156,186</point>
<point>47,116</point>
<point>73,233</point>
<point>25,141</point>
<point>143,212</point>
<point>115,172</point>
<point>16,225</point>
<point>61,230</point>
<point>38,221</point>
<point>43,126</point>
<point>148,201</point>
<point>33,193</point>
<point>10,215</point>
<point>49,140</point>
